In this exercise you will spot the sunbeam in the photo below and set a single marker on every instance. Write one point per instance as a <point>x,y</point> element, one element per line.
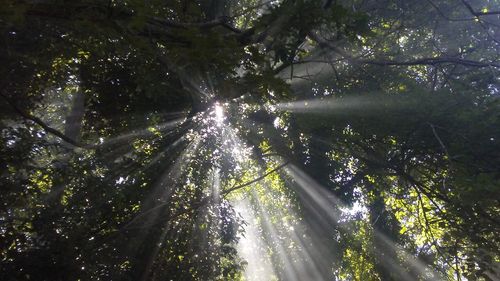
<point>251,247</point>
<point>329,207</point>
<point>163,128</point>
<point>328,104</point>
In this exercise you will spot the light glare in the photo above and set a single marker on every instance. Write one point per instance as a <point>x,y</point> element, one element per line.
<point>219,114</point>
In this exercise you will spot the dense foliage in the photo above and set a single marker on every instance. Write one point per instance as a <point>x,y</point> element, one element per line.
<point>361,139</point>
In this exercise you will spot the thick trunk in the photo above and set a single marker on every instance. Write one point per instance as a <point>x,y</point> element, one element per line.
<point>72,130</point>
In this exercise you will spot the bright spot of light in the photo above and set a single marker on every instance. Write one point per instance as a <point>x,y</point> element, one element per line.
<point>276,122</point>
<point>356,209</point>
<point>219,113</point>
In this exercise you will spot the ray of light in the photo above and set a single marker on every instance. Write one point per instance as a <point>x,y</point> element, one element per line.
<point>297,256</point>
<point>119,152</point>
<point>165,128</point>
<point>327,210</point>
<point>156,201</point>
<point>313,193</point>
<point>251,247</point>
<point>306,255</point>
<point>288,269</point>
<point>160,155</point>
<point>325,204</point>
<point>164,187</point>
<point>327,104</point>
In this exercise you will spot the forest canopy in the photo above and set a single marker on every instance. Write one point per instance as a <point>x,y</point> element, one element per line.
<point>250,140</point>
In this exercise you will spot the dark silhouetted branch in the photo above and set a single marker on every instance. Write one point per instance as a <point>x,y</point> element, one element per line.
<point>478,14</point>
<point>46,127</point>
<point>442,14</point>
<point>424,61</point>
<point>432,61</point>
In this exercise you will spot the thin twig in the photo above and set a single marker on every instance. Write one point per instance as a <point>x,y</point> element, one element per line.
<point>196,205</point>
<point>227,191</point>
<point>440,141</point>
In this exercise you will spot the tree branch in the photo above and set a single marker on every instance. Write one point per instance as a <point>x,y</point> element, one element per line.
<point>222,21</point>
<point>46,127</point>
<point>227,191</point>
<point>442,14</point>
<point>432,61</point>
<point>196,205</point>
<point>423,61</point>
<point>478,14</point>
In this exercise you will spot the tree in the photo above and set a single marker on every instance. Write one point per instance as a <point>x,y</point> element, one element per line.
<point>364,135</point>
